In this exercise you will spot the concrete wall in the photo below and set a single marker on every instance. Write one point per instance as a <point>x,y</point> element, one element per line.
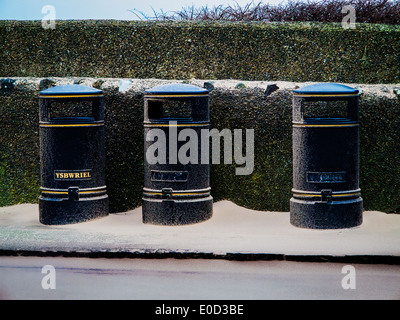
<point>264,106</point>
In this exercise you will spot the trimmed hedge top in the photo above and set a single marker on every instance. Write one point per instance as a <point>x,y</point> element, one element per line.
<point>204,50</point>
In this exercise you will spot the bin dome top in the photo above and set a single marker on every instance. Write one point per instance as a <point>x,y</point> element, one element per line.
<point>73,90</point>
<point>177,89</point>
<point>326,89</point>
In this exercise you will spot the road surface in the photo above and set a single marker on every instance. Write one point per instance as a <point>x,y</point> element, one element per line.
<point>190,279</point>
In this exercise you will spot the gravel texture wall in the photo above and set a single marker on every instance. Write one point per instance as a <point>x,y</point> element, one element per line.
<point>264,106</point>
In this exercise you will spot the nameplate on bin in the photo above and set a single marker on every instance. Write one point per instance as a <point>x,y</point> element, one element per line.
<point>67,175</point>
<point>169,176</point>
<point>326,177</point>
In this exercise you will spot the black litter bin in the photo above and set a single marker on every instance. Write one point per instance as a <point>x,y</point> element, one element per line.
<point>326,192</point>
<point>176,191</point>
<point>72,155</point>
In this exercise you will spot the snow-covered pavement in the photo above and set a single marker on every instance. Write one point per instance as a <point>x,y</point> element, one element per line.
<point>231,230</point>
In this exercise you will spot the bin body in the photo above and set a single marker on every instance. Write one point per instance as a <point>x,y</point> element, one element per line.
<point>176,192</point>
<point>326,192</point>
<point>72,156</point>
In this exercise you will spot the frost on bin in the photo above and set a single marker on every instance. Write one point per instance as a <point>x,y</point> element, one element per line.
<point>176,186</point>
<point>326,192</point>
<point>72,155</point>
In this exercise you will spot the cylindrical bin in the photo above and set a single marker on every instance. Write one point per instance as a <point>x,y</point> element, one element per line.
<point>176,165</point>
<point>326,192</point>
<point>72,155</point>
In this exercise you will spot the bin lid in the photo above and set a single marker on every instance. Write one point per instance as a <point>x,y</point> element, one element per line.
<point>71,91</point>
<point>178,90</point>
<point>326,90</point>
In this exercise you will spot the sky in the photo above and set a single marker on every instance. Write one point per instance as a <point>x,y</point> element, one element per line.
<point>103,9</point>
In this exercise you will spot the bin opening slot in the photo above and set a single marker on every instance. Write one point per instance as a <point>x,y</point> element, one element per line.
<point>170,110</point>
<point>61,110</point>
<point>326,110</point>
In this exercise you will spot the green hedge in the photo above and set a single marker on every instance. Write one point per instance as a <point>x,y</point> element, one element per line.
<point>232,105</point>
<point>203,50</point>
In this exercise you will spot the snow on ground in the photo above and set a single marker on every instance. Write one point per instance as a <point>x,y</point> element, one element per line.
<point>232,229</point>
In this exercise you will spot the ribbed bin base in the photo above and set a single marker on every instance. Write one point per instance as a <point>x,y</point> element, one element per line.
<point>64,211</point>
<point>326,215</point>
<point>177,212</point>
